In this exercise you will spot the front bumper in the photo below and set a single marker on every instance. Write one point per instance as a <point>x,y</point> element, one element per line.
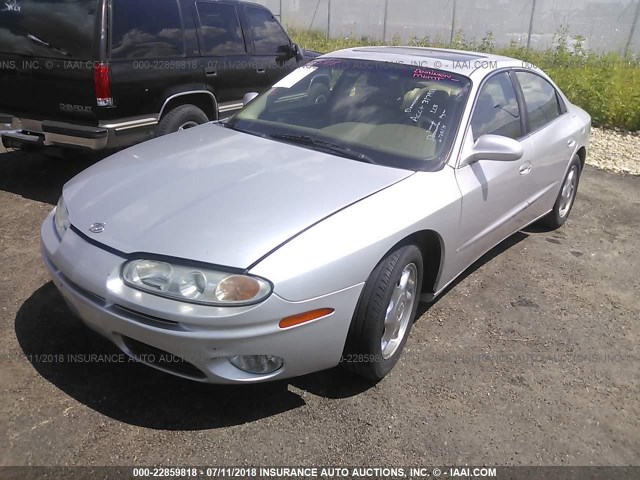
<point>188,340</point>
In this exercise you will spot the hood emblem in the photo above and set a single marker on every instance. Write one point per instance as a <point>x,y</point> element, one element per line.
<point>97,228</point>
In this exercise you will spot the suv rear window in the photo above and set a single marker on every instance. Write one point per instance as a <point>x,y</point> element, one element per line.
<point>146,29</point>
<point>48,28</point>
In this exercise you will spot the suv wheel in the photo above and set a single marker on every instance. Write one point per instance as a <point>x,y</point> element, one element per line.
<point>181,118</point>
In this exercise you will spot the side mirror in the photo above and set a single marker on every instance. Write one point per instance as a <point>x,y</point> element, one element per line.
<point>287,52</point>
<point>248,97</point>
<point>496,148</point>
<point>297,51</point>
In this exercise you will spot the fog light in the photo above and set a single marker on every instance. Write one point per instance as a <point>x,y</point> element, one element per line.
<point>257,364</point>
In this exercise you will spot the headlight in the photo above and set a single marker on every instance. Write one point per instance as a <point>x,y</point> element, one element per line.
<point>61,218</point>
<point>195,285</point>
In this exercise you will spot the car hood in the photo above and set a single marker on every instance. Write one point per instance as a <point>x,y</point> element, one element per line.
<point>215,195</point>
<point>311,54</point>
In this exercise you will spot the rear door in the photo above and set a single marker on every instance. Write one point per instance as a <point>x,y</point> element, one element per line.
<point>272,48</point>
<point>151,56</point>
<point>47,54</point>
<point>553,135</point>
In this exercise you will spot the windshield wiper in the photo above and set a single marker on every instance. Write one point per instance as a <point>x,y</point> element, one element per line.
<point>37,40</point>
<point>241,130</point>
<point>307,140</point>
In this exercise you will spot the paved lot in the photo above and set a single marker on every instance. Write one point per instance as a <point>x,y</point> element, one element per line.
<point>531,358</point>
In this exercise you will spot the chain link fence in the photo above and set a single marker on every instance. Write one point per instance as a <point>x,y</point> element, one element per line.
<point>601,25</point>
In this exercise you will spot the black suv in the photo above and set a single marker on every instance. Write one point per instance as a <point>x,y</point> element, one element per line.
<point>110,73</point>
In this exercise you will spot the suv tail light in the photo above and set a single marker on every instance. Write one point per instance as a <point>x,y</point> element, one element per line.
<point>102,79</point>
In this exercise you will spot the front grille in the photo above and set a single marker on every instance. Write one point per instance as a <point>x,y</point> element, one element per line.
<point>162,359</point>
<point>146,319</point>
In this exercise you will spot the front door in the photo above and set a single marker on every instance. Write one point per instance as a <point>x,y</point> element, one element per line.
<point>494,193</point>
<point>273,52</point>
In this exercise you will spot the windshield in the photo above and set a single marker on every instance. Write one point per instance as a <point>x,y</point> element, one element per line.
<point>384,113</point>
<point>48,28</point>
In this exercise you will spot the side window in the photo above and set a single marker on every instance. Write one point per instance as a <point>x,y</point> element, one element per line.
<point>146,29</point>
<point>268,36</point>
<point>497,111</point>
<point>541,99</point>
<point>221,30</point>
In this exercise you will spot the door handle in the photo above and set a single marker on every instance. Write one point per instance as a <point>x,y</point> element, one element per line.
<point>211,73</point>
<point>261,70</point>
<point>525,168</point>
<point>571,143</point>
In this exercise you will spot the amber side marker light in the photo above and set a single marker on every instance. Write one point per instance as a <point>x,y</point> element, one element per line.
<point>294,320</point>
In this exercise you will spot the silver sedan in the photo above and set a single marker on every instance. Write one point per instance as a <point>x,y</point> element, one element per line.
<point>303,232</point>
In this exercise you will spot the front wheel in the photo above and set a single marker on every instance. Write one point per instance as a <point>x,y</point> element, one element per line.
<point>566,197</point>
<point>385,314</point>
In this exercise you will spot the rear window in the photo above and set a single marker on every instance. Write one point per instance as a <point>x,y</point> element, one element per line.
<point>146,29</point>
<point>48,28</point>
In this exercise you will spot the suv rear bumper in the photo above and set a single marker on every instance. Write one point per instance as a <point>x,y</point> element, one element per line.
<point>39,133</point>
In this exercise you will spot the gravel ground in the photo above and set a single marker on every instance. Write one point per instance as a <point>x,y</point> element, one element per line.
<point>530,359</point>
<point>615,151</point>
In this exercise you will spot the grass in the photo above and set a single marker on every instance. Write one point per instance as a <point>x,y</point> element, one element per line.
<point>605,85</point>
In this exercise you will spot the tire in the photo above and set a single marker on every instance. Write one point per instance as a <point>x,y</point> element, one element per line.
<point>318,94</point>
<point>371,349</point>
<point>566,196</point>
<point>181,118</point>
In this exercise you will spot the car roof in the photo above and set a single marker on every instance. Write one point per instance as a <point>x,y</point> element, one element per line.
<point>457,61</point>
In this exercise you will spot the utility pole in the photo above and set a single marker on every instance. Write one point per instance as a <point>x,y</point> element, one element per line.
<point>328,18</point>
<point>453,21</point>
<point>633,29</point>
<point>386,16</point>
<point>533,14</point>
